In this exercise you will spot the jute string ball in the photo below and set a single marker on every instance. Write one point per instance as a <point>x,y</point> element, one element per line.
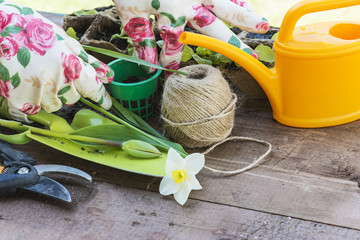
<point>198,109</point>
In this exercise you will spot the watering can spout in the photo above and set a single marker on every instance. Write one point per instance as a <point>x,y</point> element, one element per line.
<point>267,78</point>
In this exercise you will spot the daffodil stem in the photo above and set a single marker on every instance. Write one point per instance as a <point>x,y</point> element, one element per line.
<point>119,120</point>
<point>17,126</point>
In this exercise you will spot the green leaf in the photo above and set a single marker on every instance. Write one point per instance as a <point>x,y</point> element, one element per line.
<point>134,119</point>
<point>64,90</point>
<point>63,99</point>
<point>155,4</point>
<point>15,80</point>
<point>20,138</point>
<point>59,37</point>
<point>235,41</point>
<point>169,16</point>
<point>187,53</point>
<point>162,143</point>
<point>83,55</point>
<point>86,117</point>
<point>23,56</point>
<point>83,12</point>
<point>13,29</point>
<point>202,60</point>
<point>12,5</point>
<point>101,101</point>
<point>148,42</point>
<point>54,122</point>
<point>4,33</point>
<point>26,11</point>
<point>128,58</point>
<point>96,65</point>
<point>179,22</point>
<point>116,36</point>
<point>1,1</point>
<point>265,53</point>
<point>202,52</point>
<point>71,33</point>
<point>4,73</point>
<point>274,36</point>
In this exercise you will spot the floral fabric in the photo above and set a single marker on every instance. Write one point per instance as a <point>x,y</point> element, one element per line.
<point>41,67</point>
<point>172,16</point>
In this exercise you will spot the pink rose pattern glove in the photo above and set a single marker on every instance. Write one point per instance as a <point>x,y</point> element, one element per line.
<point>41,67</point>
<point>172,16</point>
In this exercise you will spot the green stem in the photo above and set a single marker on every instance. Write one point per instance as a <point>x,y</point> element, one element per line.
<point>21,128</point>
<point>119,120</point>
<point>129,58</point>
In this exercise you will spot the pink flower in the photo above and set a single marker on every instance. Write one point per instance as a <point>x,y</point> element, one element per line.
<point>148,54</point>
<point>203,16</point>
<point>139,29</point>
<point>174,65</point>
<point>72,67</point>
<point>30,109</point>
<point>5,88</point>
<point>39,35</point>
<point>240,3</point>
<point>4,20</point>
<point>16,20</point>
<point>263,26</point>
<point>210,7</point>
<point>171,39</point>
<point>103,72</point>
<point>8,48</point>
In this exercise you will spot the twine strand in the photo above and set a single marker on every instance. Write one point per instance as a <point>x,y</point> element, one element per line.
<point>255,163</point>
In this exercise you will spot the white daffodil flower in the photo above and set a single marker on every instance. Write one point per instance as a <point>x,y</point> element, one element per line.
<point>180,175</point>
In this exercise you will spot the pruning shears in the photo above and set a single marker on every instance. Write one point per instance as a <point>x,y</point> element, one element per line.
<point>19,171</point>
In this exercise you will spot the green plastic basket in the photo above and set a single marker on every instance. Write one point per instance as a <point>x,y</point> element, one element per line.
<point>138,97</point>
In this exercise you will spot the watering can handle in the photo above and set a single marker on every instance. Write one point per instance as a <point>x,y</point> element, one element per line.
<point>308,6</point>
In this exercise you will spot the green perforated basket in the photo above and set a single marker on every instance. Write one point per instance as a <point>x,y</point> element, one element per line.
<point>138,97</point>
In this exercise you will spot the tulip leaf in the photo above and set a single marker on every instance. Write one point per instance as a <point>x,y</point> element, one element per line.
<point>20,138</point>
<point>134,119</point>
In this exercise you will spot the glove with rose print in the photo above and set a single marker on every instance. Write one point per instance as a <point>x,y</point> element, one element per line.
<point>41,67</point>
<point>172,16</point>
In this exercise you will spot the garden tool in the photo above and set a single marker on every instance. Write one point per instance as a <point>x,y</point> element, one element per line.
<point>316,78</point>
<point>19,171</point>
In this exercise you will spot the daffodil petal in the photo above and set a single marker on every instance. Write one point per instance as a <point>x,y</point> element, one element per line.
<point>168,186</point>
<point>192,182</point>
<point>182,195</point>
<point>194,163</point>
<point>173,162</point>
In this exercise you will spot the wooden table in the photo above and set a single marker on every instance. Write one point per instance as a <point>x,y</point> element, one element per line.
<point>306,189</point>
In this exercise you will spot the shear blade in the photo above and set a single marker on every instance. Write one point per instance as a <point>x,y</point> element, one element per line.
<point>53,168</point>
<point>49,187</point>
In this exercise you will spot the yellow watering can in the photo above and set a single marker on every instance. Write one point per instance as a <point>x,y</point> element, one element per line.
<point>316,78</point>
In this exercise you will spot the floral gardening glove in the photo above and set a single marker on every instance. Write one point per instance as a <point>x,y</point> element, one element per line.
<point>173,15</point>
<point>41,67</point>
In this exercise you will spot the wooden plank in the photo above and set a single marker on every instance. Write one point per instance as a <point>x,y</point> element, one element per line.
<point>105,211</point>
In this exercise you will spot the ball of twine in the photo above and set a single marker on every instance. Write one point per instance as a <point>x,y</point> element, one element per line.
<point>198,109</point>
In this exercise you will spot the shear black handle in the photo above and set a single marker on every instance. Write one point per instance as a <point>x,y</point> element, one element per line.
<point>18,175</point>
<point>15,154</point>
